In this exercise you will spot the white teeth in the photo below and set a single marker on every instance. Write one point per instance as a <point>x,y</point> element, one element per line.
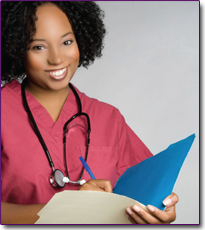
<point>58,72</point>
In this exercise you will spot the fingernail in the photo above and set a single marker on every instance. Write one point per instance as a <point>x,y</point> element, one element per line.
<point>151,208</point>
<point>129,211</point>
<point>136,208</point>
<point>127,215</point>
<point>167,201</point>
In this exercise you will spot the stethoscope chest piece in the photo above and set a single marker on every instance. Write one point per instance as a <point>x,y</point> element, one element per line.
<point>56,179</point>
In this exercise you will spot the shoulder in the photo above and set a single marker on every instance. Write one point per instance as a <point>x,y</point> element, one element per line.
<point>10,89</point>
<point>97,107</point>
<point>11,95</point>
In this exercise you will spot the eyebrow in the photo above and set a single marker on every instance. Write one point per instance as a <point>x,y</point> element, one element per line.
<point>38,39</point>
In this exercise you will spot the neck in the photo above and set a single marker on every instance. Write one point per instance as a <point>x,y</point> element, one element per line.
<point>51,100</point>
<point>46,95</point>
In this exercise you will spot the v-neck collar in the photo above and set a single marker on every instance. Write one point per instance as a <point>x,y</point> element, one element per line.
<point>69,109</point>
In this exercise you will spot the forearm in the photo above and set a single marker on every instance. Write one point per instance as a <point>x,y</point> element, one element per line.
<point>19,214</point>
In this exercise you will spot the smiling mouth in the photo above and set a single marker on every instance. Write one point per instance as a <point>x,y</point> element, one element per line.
<point>58,74</point>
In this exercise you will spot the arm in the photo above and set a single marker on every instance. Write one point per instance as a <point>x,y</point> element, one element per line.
<point>19,214</point>
<point>27,214</point>
<point>137,215</point>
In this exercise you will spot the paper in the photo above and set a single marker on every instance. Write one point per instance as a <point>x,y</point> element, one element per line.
<point>148,182</point>
<point>86,207</point>
<point>153,179</point>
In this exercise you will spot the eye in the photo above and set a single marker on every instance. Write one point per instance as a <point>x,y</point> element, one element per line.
<point>68,42</point>
<point>37,48</point>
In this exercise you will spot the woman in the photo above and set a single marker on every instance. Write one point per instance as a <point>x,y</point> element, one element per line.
<point>47,42</point>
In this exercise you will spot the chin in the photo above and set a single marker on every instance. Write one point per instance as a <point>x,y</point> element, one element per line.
<point>59,85</point>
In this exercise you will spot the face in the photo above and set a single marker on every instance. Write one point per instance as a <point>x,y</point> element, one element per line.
<point>53,54</point>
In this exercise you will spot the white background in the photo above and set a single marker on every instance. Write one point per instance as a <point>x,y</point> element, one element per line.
<point>150,72</point>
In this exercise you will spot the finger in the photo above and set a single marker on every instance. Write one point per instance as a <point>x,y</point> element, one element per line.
<point>106,185</point>
<point>145,215</point>
<point>171,200</point>
<point>90,187</point>
<point>134,217</point>
<point>130,218</point>
<point>102,184</point>
<point>171,212</point>
<point>166,216</point>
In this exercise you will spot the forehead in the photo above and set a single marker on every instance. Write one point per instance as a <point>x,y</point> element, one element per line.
<point>51,19</point>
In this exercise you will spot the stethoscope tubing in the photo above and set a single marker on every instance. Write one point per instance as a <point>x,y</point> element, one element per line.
<point>64,140</point>
<point>35,126</point>
<point>53,180</point>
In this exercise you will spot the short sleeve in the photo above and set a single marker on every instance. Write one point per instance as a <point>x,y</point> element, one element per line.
<point>131,149</point>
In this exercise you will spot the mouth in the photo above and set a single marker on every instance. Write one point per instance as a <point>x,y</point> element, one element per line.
<point>58,74</point>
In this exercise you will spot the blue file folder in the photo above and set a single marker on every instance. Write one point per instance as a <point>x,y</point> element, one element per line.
<point>153,179</point>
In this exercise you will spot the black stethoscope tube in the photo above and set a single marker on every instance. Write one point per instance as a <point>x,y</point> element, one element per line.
<point>64,138</point>
<point>57,178</point>
<point>35,126</point>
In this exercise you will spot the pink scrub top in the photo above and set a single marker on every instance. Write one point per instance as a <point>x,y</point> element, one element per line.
<point>25,170</point>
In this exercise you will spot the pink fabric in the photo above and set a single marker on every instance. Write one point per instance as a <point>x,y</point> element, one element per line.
<point>24,166</point>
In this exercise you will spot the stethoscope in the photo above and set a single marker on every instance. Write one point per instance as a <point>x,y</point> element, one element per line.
<point>57,179</point>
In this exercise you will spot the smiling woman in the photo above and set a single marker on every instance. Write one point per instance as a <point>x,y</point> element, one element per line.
<point>51,59</point>
<point>89,33</point>
<point>53,55</point>
<point>44,43</point>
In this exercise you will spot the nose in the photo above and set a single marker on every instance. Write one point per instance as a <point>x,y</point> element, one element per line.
<point>55,56</point>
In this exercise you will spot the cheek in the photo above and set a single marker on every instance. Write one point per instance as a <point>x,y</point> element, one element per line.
<point>33,62</point>
<point>74,54</point>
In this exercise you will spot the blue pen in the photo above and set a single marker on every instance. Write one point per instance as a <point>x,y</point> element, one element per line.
<point>87,168</point>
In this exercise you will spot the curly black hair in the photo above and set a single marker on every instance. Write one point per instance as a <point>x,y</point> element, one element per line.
<point>18,27</point>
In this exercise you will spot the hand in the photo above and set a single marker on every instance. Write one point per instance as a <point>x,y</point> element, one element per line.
<point>97,185</point>
<point>137,215</point>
